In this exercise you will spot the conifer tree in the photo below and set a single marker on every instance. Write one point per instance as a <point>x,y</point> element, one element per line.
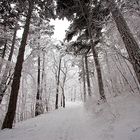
<point>45,10</point>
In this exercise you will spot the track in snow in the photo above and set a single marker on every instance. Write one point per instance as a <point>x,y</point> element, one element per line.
<point>65,124</point>
<point>117,120</point>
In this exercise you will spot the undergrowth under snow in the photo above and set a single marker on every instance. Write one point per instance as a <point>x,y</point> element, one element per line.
<point>118,119</point>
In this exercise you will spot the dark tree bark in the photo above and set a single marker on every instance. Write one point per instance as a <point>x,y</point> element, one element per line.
<point>63,91</point>
<point>63,97</point>
<point>87,75</point>
<point>63,87</point>
<point>63,104</point>
<point>58,81</point>
<point>95,54</point>
<point>3,55</point>
<point>4,50</point>
<point>38,106</point>
<point>84,79</point>
<point>13,44</point>
<point>61,100</point>
<point>99,74</point>
<point>4,77</point>
<point>130,43</point>
<point>9,118</point>
<point>43,73</point>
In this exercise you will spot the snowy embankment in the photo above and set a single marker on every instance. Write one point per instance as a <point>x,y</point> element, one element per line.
<point>119,119</point>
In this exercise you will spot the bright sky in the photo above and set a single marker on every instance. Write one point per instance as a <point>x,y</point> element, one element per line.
<point>60,27</point>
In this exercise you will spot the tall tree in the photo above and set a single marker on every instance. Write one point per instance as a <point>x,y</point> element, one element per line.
<point>87,75</point>
<point>44,11</point>
<point>84,79</point>
<point>64,69</point>
<point>3,55</point>
<point>130,43</point>
<point>57,84</point>
<point>9,118</point>
<point>40,34</point>
<point>89,18</point>
<point>38,106</point>
<point>7,68</point>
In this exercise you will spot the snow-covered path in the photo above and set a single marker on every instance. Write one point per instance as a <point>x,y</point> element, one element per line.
<point>65,124</point>
<point>117,120</point>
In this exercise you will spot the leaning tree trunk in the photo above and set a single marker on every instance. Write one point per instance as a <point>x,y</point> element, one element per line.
<point>87,75</point>
<point>9,118</point>
<point>95,55</point>
<point>58,81</point>
<point>99,74</point>
<point>97,64</point>
<point>130,43</point>
<point>4,77</point>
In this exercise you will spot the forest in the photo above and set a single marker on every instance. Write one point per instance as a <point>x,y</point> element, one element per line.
<point>97,64</point>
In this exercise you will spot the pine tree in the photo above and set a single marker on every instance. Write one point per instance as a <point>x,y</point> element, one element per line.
<point>46,8</point>
<point>83,15</point>
<point>130,43</point>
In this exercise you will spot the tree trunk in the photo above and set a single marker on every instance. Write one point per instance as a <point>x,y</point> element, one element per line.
<point>43,74</point>
<point>23,101</point>
<point>61,101</point>
<point>134,78</point>
<point>99,74</point>
<point>123,76</point>
<point>4,50</point>
<point>97,64</point>
<point>38,106</point>
<point>9,118</point>
<point>127,37</point>
<point>3,55</point>
<point>5,47</point>
<point>63,98</point>
<point>87,75</point>
<point>84,80</point>
<point>95,55</point>
<point>4,77</point>
<point>58,81</point>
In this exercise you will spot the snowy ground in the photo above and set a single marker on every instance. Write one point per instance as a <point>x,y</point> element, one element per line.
<point>119,119</point>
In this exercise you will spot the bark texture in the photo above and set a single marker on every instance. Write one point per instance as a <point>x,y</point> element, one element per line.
<point>84,79</point>
<point>38,106</point>
<point>130,43</point>
<point>99,74</point>
<point>3,55</point>
<point>63,98</point>
<point>87,75</point>
<point>95,54</point>
<point>58,82</point>
<point>9,118</point>
<point>4,77</point>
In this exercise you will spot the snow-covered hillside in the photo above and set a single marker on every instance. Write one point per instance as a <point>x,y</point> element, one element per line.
<point>119,119</point>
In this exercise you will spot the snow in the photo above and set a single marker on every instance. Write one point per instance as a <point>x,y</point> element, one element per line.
<point>119,119</point>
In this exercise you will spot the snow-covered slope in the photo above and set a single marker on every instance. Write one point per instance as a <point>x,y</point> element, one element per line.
<point>119,119</point>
